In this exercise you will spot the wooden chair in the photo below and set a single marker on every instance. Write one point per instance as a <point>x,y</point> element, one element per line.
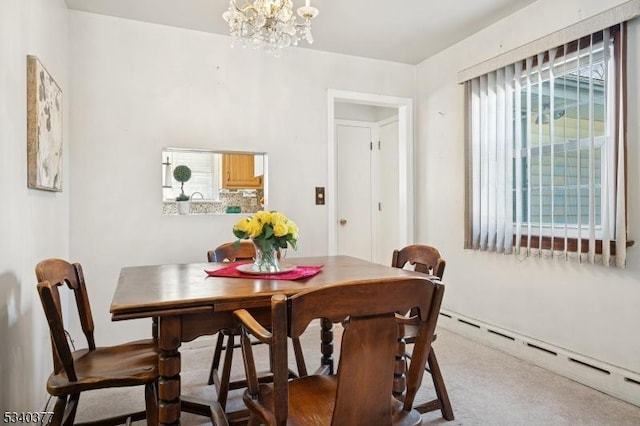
<point>129,364</point>
<point>243,250</point>
<point>425,259</point>
<point>360,392</point>
<point>227,252</point>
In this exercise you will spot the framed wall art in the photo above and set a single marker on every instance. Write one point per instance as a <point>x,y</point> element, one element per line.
<point>44,128</point>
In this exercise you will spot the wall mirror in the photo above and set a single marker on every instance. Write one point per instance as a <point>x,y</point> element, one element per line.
<point>219,182</point>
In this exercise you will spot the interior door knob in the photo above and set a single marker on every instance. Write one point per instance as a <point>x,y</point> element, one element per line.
<point>343,221</point>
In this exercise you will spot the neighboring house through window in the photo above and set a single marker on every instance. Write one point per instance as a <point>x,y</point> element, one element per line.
<point>546,152</point>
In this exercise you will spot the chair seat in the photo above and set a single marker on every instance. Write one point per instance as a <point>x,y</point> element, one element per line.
<point>131,364</point>
<point>319,392</point>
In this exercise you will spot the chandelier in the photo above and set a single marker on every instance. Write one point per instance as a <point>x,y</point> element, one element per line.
<point>269,24</point>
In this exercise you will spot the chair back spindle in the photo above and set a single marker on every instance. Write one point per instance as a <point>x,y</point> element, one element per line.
<point>362,349</point>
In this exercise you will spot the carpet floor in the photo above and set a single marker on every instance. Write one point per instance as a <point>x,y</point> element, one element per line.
<point>486,387</point>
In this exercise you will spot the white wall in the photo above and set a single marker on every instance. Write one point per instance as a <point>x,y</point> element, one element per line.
<point>33,224</point>
<point>139,87</point>
<point>589,309</point>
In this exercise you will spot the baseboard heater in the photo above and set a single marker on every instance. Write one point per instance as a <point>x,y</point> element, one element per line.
<point>612,380</point>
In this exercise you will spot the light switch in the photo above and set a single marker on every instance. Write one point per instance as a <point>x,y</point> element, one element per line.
<point>319,195</point>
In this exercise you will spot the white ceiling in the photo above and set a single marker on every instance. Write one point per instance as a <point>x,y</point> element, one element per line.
<point>407,31</point>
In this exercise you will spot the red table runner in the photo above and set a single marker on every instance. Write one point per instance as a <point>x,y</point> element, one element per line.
<point>300,271</point>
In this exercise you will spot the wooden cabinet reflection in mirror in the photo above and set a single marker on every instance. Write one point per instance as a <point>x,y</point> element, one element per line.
<point>238,171</point>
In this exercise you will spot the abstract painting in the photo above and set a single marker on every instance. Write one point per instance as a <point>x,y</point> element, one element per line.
<point>44,128</point>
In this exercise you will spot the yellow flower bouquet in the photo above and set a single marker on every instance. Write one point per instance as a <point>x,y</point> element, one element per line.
<point>270,232</point>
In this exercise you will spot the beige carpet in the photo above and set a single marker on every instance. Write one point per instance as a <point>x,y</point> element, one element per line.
<point>486,387</point>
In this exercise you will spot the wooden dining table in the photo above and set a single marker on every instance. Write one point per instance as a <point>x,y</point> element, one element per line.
<point>188,303</point>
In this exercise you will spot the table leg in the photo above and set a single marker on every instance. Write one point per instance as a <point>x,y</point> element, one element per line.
<point>326,346</point>
<point>170,329</point>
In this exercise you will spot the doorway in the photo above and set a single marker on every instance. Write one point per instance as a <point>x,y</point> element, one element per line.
<point>390,216</point>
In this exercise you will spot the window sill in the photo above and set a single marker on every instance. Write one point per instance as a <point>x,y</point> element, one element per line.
<point>572,244</point>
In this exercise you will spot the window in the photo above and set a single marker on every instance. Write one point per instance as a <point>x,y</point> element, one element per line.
<point>205,173</point>
<point>546,152</point>
<point>562,141</point>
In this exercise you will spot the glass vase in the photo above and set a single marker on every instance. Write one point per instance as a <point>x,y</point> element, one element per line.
<point>266,260</point>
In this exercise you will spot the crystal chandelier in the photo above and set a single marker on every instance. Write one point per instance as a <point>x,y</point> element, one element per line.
<point>269,24</point>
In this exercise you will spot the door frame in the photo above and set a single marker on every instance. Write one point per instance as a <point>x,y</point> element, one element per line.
<point>405,161</point>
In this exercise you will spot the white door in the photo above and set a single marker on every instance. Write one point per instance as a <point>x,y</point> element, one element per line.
<point>354,207</point>
<point>388,220</point>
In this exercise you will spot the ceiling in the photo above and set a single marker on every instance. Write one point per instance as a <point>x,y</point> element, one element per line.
<point>406,31</point>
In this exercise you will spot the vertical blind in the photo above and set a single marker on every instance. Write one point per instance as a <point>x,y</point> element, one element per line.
<point>547,153</point>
